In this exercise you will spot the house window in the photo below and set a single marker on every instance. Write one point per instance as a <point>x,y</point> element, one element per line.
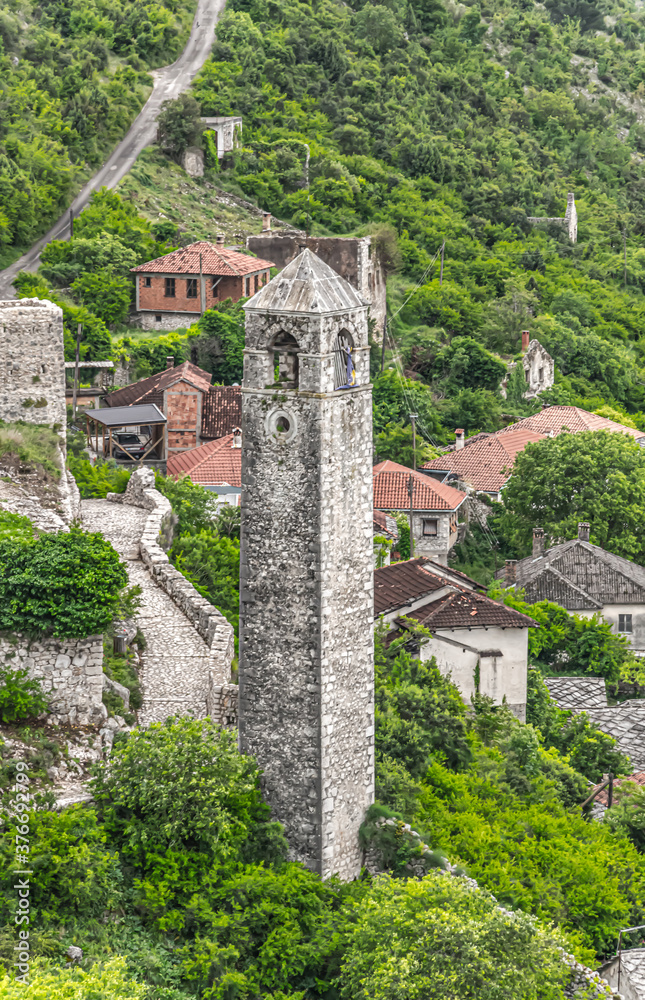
<point>430,526</point>
<point>624,623</point>
<point>158,318</point>
<point>191,288</point>
<point>540,374</point>
<point>215,287</point>
<point>255,282</point>
<point>170,288</point>
<point>247,283</point>
<point>147,282</point>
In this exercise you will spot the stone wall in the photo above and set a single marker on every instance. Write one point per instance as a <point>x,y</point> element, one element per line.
<point>569,223</point>
<point>70,672</point>
<point>157,537</point>
<point>32,362</point>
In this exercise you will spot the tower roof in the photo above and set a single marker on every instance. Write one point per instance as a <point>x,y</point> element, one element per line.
<point>306,285</point>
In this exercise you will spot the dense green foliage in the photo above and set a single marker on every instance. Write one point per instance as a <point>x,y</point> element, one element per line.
<point>20,696</point>
<point>73,79</point>
<point>33,445</point>
<point>65,584</point>
<point>109,981</point>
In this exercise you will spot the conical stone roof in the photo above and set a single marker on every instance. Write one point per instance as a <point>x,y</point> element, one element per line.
<point>306,285</point>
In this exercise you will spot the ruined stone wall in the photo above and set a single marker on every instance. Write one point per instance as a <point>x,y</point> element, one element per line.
<point>70,672</point>
<point>32,362</point>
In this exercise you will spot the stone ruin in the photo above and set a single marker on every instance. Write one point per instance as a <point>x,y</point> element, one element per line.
<point>32,369</point>
<point>569,223</point>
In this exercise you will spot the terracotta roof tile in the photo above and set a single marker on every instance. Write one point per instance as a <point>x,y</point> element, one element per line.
<point>466,609</point>
<point>391,490</point>
<point>145,388</point>
<point>555,419</point>
<point>221,410</point>
<point>214,260</point>
<point>638,778</point>
<point>213,464</point>
<point>401,583</point>
<point>486,464</point>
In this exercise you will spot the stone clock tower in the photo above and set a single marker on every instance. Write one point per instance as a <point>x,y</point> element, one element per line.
<point>306,584</point>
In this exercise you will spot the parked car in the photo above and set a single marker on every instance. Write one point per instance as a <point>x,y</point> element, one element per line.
<point>135,444</point>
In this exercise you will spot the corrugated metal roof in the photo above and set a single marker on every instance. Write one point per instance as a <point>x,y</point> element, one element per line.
<point>127,416</point>
<point>306,285</point>
<point>214,260</point>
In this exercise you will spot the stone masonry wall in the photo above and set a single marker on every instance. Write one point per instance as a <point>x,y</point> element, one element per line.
<point>32,362</point>
<point>70,672</point>
<point>157,536</point>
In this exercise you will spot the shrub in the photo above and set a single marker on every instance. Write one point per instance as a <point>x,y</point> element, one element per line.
<point>442,937</point>
<point>65,584</point>
<point>194,506</point>
<point>20,696</point>
<point>34,444</point>
<point>15,527</point>
<point>96,481</point>
<point>107,981</point>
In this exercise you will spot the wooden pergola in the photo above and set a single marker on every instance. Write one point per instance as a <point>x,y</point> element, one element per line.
<point>116,418</point>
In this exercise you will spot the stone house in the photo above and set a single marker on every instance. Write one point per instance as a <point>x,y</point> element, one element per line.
<point>585,579</point>
<point>484,463</point>
<point>352,257</point>
<point>481,644</point>
<point>176,289</point>
<point>216,465</point>
<point>196,411</point>
<point>435,507</point>
<point>538,365</point>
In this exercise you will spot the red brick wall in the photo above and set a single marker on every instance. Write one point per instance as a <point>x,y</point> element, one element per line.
<point>182,406</point>
<point>155,300</point>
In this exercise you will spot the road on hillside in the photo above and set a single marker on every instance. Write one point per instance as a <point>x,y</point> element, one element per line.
<point>169,82</point>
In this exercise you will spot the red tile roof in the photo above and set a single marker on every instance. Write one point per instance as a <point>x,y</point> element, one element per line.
<point>403,582</point>
<point>381,524</point>
<point>213,464</point>
<point>221,410</point>
<point>466,609</point>
<point>638,778</point>
<point>391,490</point>
<point>214,260</point>
<point>554,419</point>
<point>154,385</point>
<point>487,463</point>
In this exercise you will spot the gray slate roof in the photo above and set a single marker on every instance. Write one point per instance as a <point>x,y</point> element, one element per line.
<point>306,285</point>
<point>625,722</point>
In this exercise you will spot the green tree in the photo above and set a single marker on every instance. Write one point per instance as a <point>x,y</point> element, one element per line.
<point>179,124</point>
<point>396,443</point>
<point>107,295</point>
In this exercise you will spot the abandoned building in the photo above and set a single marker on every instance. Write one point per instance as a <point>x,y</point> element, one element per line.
<point>434,505</point>
<point>179,287</point>
<point>353,257</point>
<point>584,578</point>
<point>480,643</point>
<point>216,465</point>
<point>538,365</point>
<point>195,411</point>
<point>569,223</point>
<point>306,700</point>
<point>484,463</point>
<point>227,133</point>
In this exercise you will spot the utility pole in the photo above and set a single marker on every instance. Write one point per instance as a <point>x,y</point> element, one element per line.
<point>383,347</point>
<point>413,421</point>
<point>71,224</point>
<point>79,332</point>
<point>443,247</point>
<point>411,495</point>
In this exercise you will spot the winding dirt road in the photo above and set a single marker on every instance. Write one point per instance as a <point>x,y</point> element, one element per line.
<point>169,82</point>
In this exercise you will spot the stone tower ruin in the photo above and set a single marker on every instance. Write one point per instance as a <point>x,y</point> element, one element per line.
<point>306,581</point>
<point>32,369</point>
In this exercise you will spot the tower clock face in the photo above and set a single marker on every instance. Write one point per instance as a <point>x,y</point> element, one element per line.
<point>281,425</point>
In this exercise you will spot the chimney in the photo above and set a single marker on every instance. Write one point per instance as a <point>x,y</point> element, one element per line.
<point>510,572</point>
<point>459,438</point>
<point>219,239</point>
<point>266,222</point>
<point>525,341</point>
<point>583,531</point>
<point>237,438</point>
<point>170,362</point>
<point>538,541</point>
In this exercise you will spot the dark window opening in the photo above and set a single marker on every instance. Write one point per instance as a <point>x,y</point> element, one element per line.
<point>527,375</point>
<point>430,526</point>
<point>158,318</point>
<point>191,288</point>
<point>170,288</point>
<point>282,424</point>
<point>285,361</point>
<point>540,374</point>
<point>624,623</point>
<point>247,283</point>
<point>215,288</point>
<point>147,282</point>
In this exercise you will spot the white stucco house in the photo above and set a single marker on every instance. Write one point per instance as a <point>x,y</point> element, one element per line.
<point>480,643</point>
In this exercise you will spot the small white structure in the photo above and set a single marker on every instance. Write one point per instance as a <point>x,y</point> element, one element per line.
<point>193,161</point>
<point>539,369</point>
<point>481,644</point>
<point>228,133</point>
<point>570,221</point>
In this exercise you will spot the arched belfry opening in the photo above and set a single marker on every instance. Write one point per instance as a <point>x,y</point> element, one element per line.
<point>344,368</point>
<point>285,360</point>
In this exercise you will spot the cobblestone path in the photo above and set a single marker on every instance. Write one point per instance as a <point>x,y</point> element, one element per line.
<point>174,678</point>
